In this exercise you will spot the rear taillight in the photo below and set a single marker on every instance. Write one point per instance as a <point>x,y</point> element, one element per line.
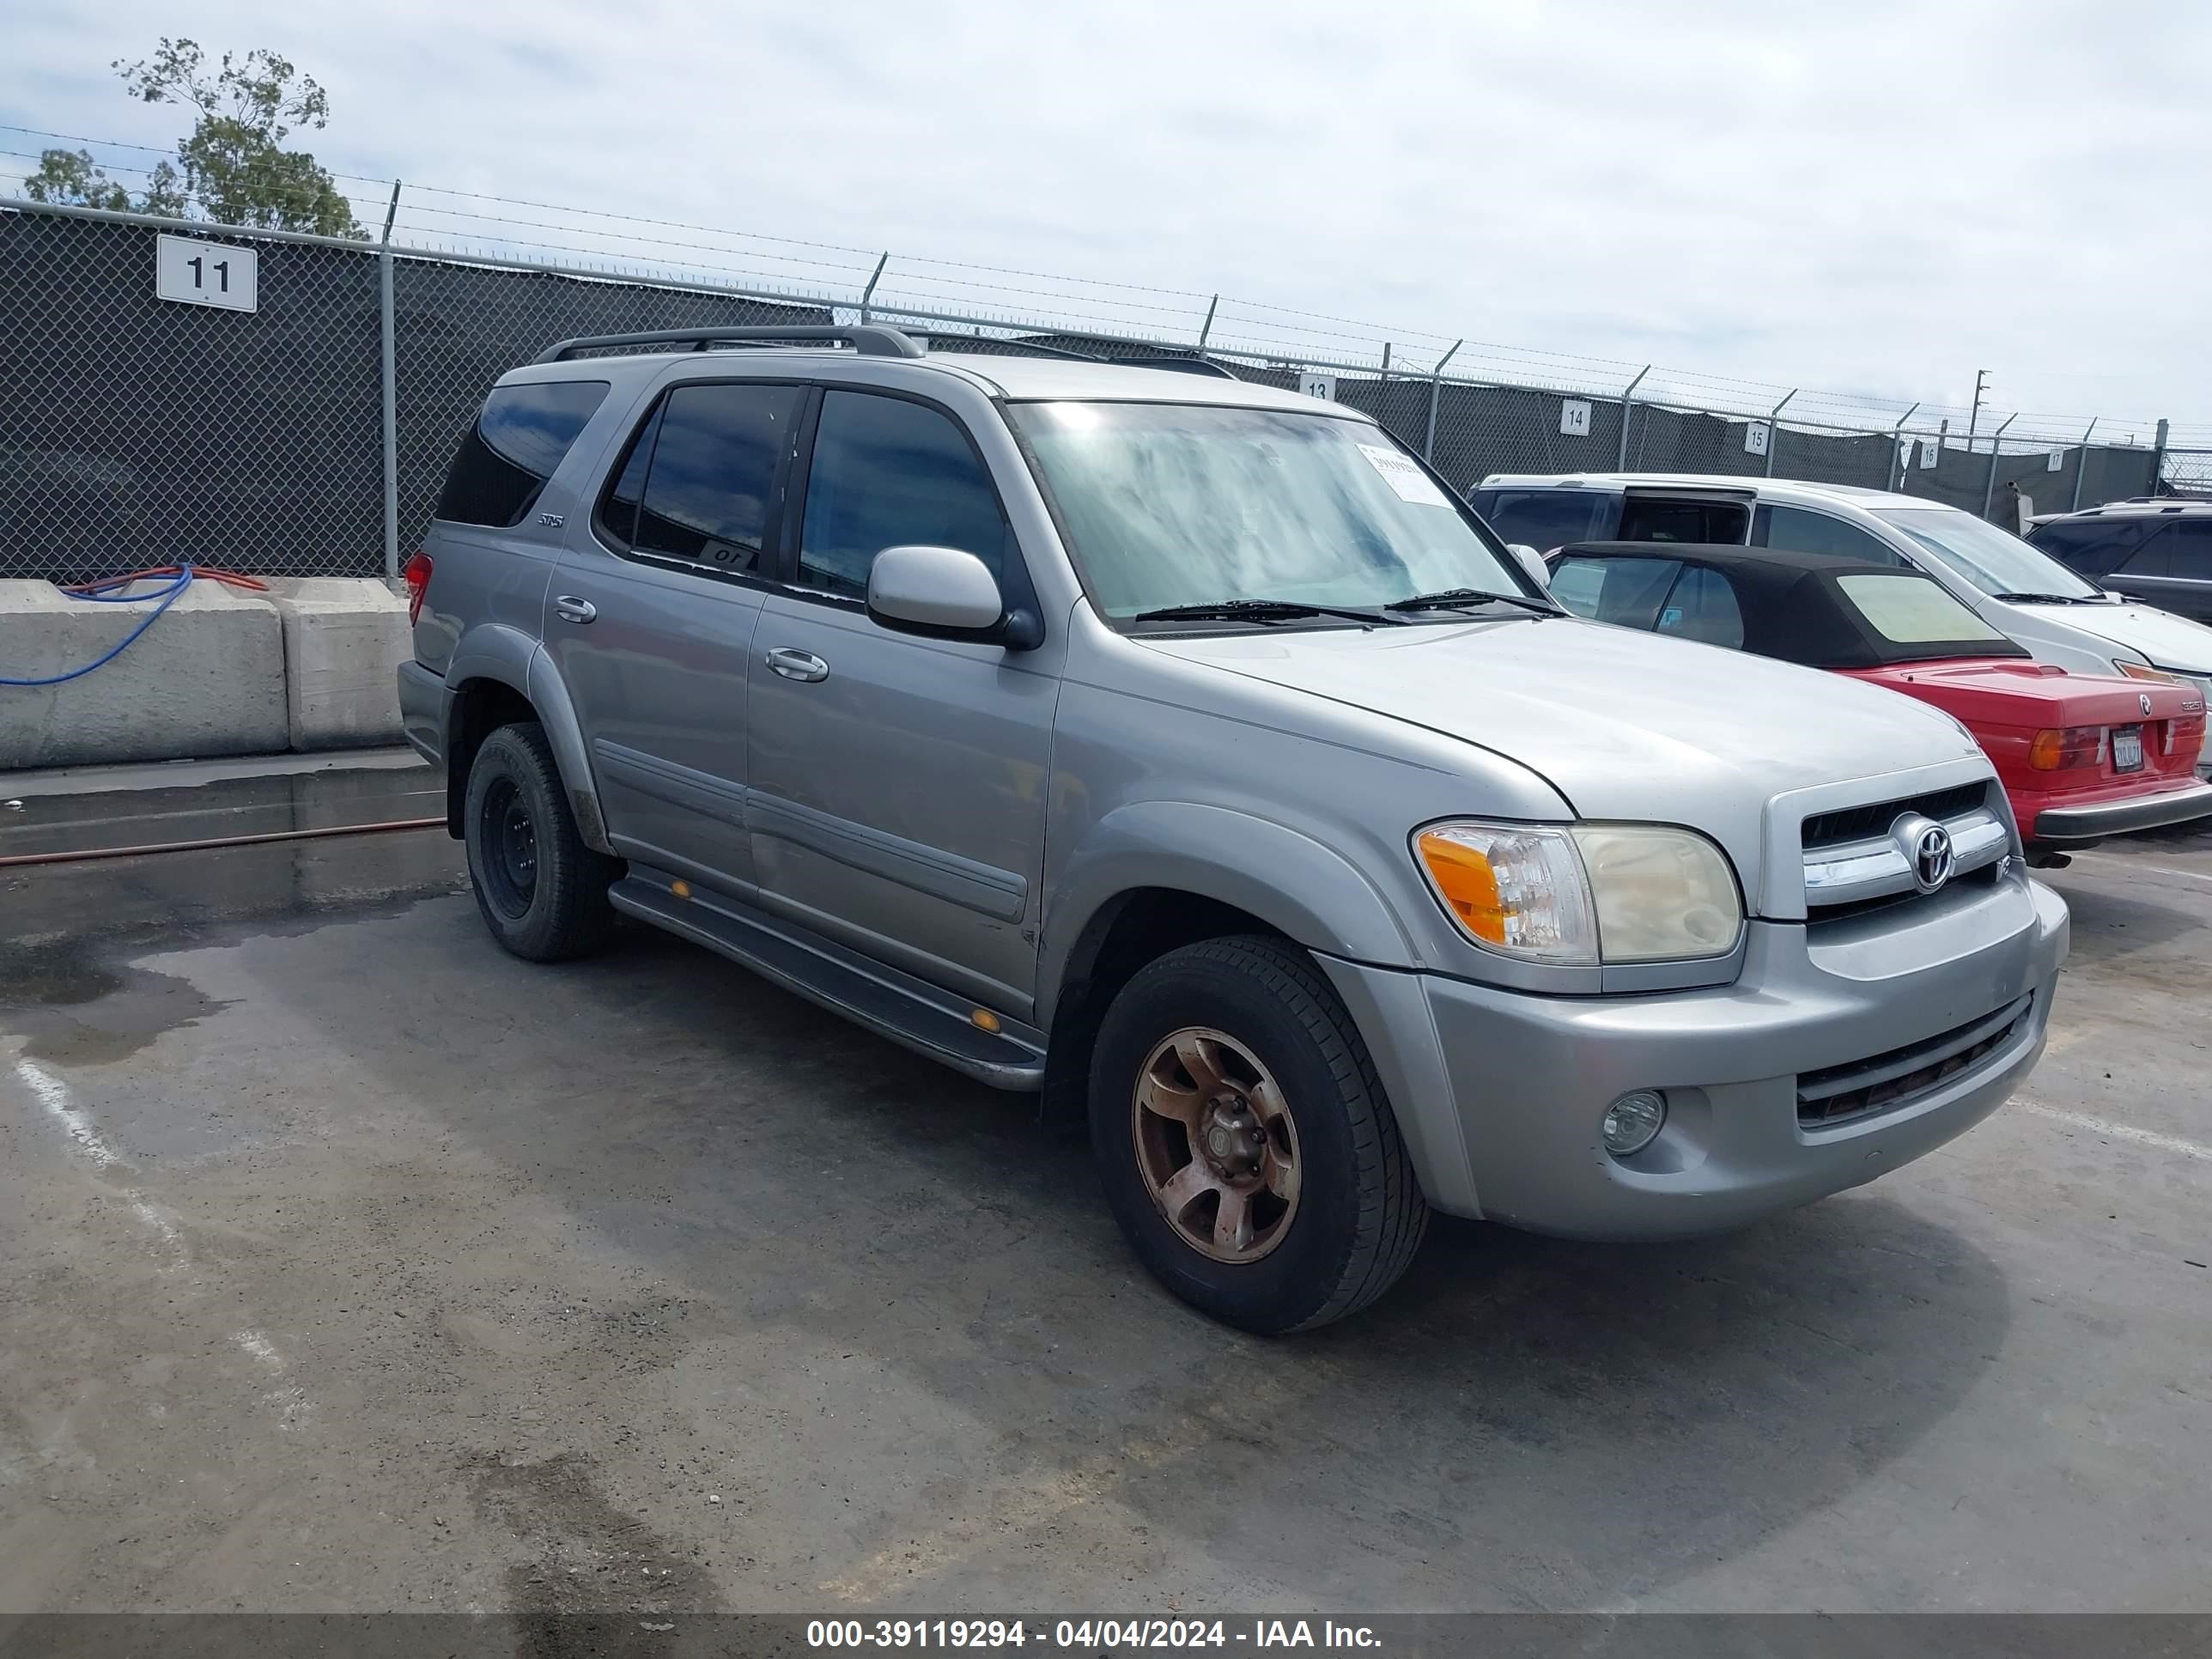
<point>416,575</point>
<point>2062,749</point>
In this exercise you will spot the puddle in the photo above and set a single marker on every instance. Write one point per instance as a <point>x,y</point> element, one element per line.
<point>73,1012</point>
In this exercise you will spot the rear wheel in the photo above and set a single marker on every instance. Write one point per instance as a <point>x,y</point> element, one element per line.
<point>1244,1141</point>
<point>541,892</point>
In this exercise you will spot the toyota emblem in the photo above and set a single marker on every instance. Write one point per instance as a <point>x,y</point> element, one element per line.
<point>1926,845</point>
<point>2144,698</point>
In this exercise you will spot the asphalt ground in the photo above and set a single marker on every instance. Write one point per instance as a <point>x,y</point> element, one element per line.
<point>348,1264</point>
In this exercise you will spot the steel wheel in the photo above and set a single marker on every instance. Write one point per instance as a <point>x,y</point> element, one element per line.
<point>510,843</point>
<point>1216,1145</point>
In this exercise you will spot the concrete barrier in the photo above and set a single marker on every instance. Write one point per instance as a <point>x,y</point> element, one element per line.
<point>206,679</point>
<point>344,641</point>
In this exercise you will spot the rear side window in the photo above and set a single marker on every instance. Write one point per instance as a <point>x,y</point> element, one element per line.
<point>891,473</point>
<point>1545,518</point>
<point>1795,530</point>
<point>697,483</point>
<point>1703,607</point>
<point>1624,592</point>
<point>517,441</point>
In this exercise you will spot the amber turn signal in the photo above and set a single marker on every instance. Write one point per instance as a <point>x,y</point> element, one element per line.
<point>1468,884</point>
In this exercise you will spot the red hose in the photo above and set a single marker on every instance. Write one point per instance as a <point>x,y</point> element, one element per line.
<point>169,572</point>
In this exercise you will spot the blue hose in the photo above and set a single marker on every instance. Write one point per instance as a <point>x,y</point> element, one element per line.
<point>167,596</point>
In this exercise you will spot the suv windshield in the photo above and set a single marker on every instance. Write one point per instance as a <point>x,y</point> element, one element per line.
<point>1167,505</point>
<point>1996,563</point>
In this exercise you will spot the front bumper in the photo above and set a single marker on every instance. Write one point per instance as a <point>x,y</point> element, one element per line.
<point>2066,826</point>
<point>1500,1094</point>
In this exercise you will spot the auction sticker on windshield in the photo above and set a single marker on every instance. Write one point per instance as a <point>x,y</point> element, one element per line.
<point>1401,474</point>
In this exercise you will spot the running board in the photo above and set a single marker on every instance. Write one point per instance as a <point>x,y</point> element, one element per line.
<point>909,1010</point>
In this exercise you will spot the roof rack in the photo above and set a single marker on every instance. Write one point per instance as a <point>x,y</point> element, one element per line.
<point>867,339</point>
<point>1205,366</point>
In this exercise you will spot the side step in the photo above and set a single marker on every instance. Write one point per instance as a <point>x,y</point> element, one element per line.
<point>895,1004</point>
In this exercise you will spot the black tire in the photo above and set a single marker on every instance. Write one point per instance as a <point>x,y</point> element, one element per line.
<point>1359,1215</point>
<point>541,892</point>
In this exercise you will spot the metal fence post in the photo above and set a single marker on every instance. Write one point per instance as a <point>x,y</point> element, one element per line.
<point>2158,458</point>
<point>1627,403</point>
<point>1207,327</point>
<point>390,372</point>
<point>1996,444</point>
<point>875,276</point>
<point>1436,381</point>
<point>1896,438</point>
<point>1774,432</point>
<point>2082,466</point>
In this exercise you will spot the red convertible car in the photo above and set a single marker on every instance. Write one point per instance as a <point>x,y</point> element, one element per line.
<point>2081,756</point>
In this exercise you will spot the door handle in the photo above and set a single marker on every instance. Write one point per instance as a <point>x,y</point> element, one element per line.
<point>798,665</point>
<point>569,608</point>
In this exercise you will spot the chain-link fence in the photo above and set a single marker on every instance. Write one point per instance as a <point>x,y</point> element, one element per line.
<point>138,429</point>
<point>135,430</point>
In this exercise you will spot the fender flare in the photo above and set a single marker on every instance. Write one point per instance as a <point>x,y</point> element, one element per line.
<point>1302,888</point>
<point>511,658</point>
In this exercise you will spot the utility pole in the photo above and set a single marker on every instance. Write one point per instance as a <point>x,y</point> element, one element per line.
<point>1974,415</point>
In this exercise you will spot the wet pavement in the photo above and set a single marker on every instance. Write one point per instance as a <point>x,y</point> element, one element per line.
<point>346,1263</point>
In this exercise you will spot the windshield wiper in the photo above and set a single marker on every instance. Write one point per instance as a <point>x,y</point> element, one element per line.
<point>2044,598</point>
<point>1260,610</point>
<point>1454,599</point>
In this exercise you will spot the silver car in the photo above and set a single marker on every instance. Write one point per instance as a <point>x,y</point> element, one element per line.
<point>1183,749</point>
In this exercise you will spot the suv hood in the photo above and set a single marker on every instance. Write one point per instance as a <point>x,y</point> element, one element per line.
<point>1624,725</point>
<point>2168,640</point>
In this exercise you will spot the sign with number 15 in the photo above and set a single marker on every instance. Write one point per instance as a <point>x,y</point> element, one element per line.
<point>196,273</point>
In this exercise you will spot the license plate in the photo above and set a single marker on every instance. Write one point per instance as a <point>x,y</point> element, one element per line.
<point>2127,749</point>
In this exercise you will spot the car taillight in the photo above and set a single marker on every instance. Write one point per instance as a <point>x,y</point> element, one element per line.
<point>417,574</point>
<point>2064,747</point>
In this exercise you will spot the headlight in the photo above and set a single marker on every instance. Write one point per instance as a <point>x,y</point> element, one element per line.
<point>1591,893</point>
<point>2138,671</point>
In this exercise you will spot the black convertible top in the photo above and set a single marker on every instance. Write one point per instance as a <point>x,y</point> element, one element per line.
<point>1807,607</point>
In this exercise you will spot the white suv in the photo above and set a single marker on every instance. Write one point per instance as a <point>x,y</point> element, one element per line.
<point>2019,590</point>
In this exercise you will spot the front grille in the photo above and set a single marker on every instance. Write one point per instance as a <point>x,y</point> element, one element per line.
<point>1850,824</point>
<point>1981,881</point>
<point>1885,1081</point>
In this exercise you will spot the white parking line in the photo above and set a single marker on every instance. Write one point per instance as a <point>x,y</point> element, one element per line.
<point>2098,1126</point>
<point>291,1402</point>
<point>51,1092</point>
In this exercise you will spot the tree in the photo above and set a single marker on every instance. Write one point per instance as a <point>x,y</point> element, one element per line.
<point>233,168</point>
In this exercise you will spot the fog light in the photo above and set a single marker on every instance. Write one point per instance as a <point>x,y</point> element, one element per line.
<point>1632,1121</point>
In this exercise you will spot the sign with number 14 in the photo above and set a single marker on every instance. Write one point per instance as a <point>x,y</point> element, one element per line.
<point>196,273</point>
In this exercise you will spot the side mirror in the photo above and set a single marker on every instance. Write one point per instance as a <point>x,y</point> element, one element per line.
<point>944,594</point>
<point>1533,562</point>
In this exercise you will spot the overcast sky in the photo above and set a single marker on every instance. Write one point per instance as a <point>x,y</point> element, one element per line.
<point>1872,197</point>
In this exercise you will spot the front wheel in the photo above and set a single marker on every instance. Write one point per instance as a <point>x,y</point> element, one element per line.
<point>1245,1143</point>
<point>541,892</point>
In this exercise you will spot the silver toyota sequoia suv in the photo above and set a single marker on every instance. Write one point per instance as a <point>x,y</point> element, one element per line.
<point>1185,750</point>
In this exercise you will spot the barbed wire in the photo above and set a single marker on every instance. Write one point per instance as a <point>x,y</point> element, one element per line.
<point>1240,327</point>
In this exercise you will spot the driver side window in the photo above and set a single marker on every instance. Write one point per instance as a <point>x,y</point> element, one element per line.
<point>889,472</point>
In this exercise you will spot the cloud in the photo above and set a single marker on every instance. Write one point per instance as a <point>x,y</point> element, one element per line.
<point>1875,199</point>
